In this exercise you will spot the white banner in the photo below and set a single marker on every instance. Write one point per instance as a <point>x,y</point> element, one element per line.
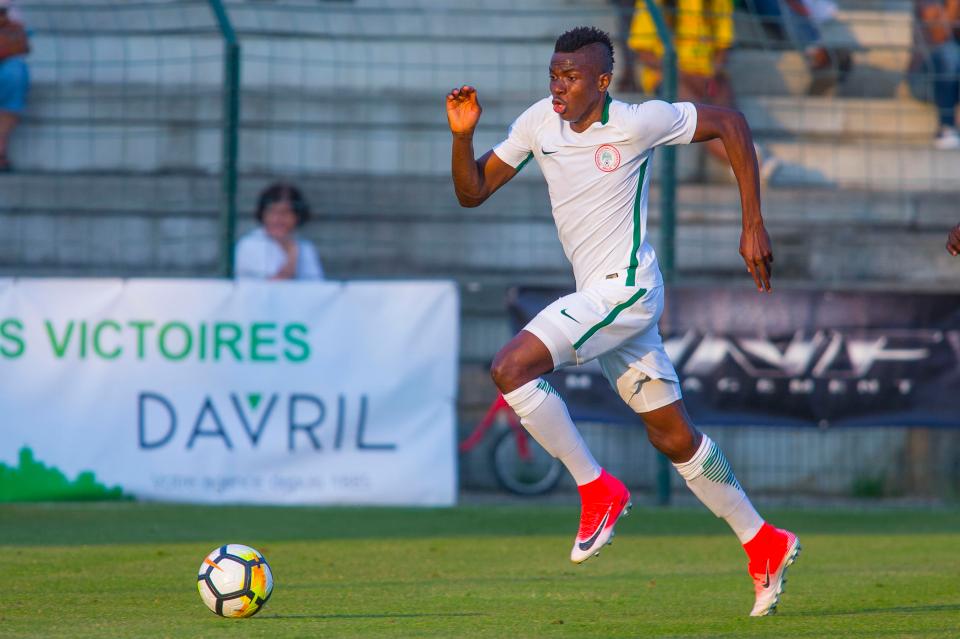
<point>215,391</point>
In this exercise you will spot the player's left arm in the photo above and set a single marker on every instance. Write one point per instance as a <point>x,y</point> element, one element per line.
<point>732,129</point>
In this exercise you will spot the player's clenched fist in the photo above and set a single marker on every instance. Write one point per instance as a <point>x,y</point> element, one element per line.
<point>953,241</point>
<point>463,110</point>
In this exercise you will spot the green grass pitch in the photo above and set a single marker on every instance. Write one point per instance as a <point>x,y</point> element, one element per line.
<point>128,570</point>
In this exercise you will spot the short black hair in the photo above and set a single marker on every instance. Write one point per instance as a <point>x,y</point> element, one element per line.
<point>580,37</point>
<point>283,192</point>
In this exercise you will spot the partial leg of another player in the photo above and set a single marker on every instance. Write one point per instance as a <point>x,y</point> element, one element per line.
<point>709,476</point>
<point>604,499</point>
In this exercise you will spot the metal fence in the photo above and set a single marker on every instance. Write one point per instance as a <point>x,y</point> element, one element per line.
<point>122,126</point>
<point>123,167</point>
<point>801,466</point>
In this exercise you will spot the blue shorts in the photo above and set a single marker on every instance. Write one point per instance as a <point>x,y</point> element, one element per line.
<point>14,84</point>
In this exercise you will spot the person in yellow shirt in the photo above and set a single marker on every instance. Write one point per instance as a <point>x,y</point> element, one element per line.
<point>703,34</point>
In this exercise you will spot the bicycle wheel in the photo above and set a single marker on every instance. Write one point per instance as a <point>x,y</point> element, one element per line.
<point>534,476</point>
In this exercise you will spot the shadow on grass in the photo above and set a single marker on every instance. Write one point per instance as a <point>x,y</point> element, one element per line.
<point>69,524</point>
<point>879,611</point>
<point>377,615</point>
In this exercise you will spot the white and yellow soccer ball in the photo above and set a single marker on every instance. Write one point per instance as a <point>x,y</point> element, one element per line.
<point>235,581</point>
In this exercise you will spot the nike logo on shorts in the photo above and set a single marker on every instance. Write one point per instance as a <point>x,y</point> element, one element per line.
<point>545,152</point>
<point>564,312</point>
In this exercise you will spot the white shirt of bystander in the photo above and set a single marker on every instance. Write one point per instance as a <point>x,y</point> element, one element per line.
<point>259,256</point>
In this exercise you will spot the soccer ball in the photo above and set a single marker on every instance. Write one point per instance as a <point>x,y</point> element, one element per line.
<point>235,581</point>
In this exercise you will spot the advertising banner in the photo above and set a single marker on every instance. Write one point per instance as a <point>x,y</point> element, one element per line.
<point>795,357</point>
<point>221,392</point>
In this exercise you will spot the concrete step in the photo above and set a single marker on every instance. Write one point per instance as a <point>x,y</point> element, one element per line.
<point>854,28</point>
<point>405,199</point>
<point>357,45</point>
<point>379,46</point>
<point>135,128</point>
<point>465,20</point>
<point>876,73</point>
<point>415,62</point>
<point>871,165</point>
<point>363,17</point>
<point>879,36</point>
<point>870,28</point>
<point>405,227</point>
<point>421,48</point>
<point>840,118</point>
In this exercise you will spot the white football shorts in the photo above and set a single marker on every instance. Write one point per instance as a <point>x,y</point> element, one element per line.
<point>617,326</point>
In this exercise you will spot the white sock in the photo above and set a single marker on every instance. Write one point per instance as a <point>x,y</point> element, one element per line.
<point>544,414</point>
<point>711,479</point>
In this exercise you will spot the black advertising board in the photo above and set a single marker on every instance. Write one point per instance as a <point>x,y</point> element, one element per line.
<point>793,357</point>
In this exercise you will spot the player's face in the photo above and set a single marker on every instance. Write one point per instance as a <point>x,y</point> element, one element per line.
<point>576,84</point>
<point>279,220</point>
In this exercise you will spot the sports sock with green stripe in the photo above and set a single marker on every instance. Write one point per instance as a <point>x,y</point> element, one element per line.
<point>710,477</point>
<point>544,414</point>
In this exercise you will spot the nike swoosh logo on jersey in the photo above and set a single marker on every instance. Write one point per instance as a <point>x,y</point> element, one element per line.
<point>545,152</point>
<point>564,312</point>
<point>585,545</point>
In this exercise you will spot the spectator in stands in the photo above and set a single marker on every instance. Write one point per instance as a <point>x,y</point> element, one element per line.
<point>273,251</point>
<point>935,67</point>
<point>626,79</point>
<point>800,22</point>
<point>703,35</point>
<point>14,78</point>
<point>953,241</point>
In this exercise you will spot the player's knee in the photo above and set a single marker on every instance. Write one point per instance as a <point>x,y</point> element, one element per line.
<point>508,371</point>
<point>501,372</point>
<point>675,443</point>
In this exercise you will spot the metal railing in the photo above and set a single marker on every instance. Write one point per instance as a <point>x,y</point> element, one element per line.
<point>120,131</point>
<point>231,136</point>
<point>668,175</point>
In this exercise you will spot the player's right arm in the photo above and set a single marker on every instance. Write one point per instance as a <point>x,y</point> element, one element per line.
<point>473,180</point>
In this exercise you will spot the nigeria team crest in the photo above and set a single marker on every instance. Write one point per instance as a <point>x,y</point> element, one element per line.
<point>607,158</point>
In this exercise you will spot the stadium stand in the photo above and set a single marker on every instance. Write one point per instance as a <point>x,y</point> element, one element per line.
<point>119,152</point>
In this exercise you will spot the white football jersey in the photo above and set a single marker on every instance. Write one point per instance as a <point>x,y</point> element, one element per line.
<point>599,181</point>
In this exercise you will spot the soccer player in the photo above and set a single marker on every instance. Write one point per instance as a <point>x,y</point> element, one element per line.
<point>595,153</point>
<point>953,241</point>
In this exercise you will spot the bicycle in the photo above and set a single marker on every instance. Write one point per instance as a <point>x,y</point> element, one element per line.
<point>520,464</point>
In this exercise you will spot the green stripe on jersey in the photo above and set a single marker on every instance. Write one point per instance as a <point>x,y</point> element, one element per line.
<point>612,315</point>
<point>525,160</point>
<point>637,204</point>
<point>605,116</point>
